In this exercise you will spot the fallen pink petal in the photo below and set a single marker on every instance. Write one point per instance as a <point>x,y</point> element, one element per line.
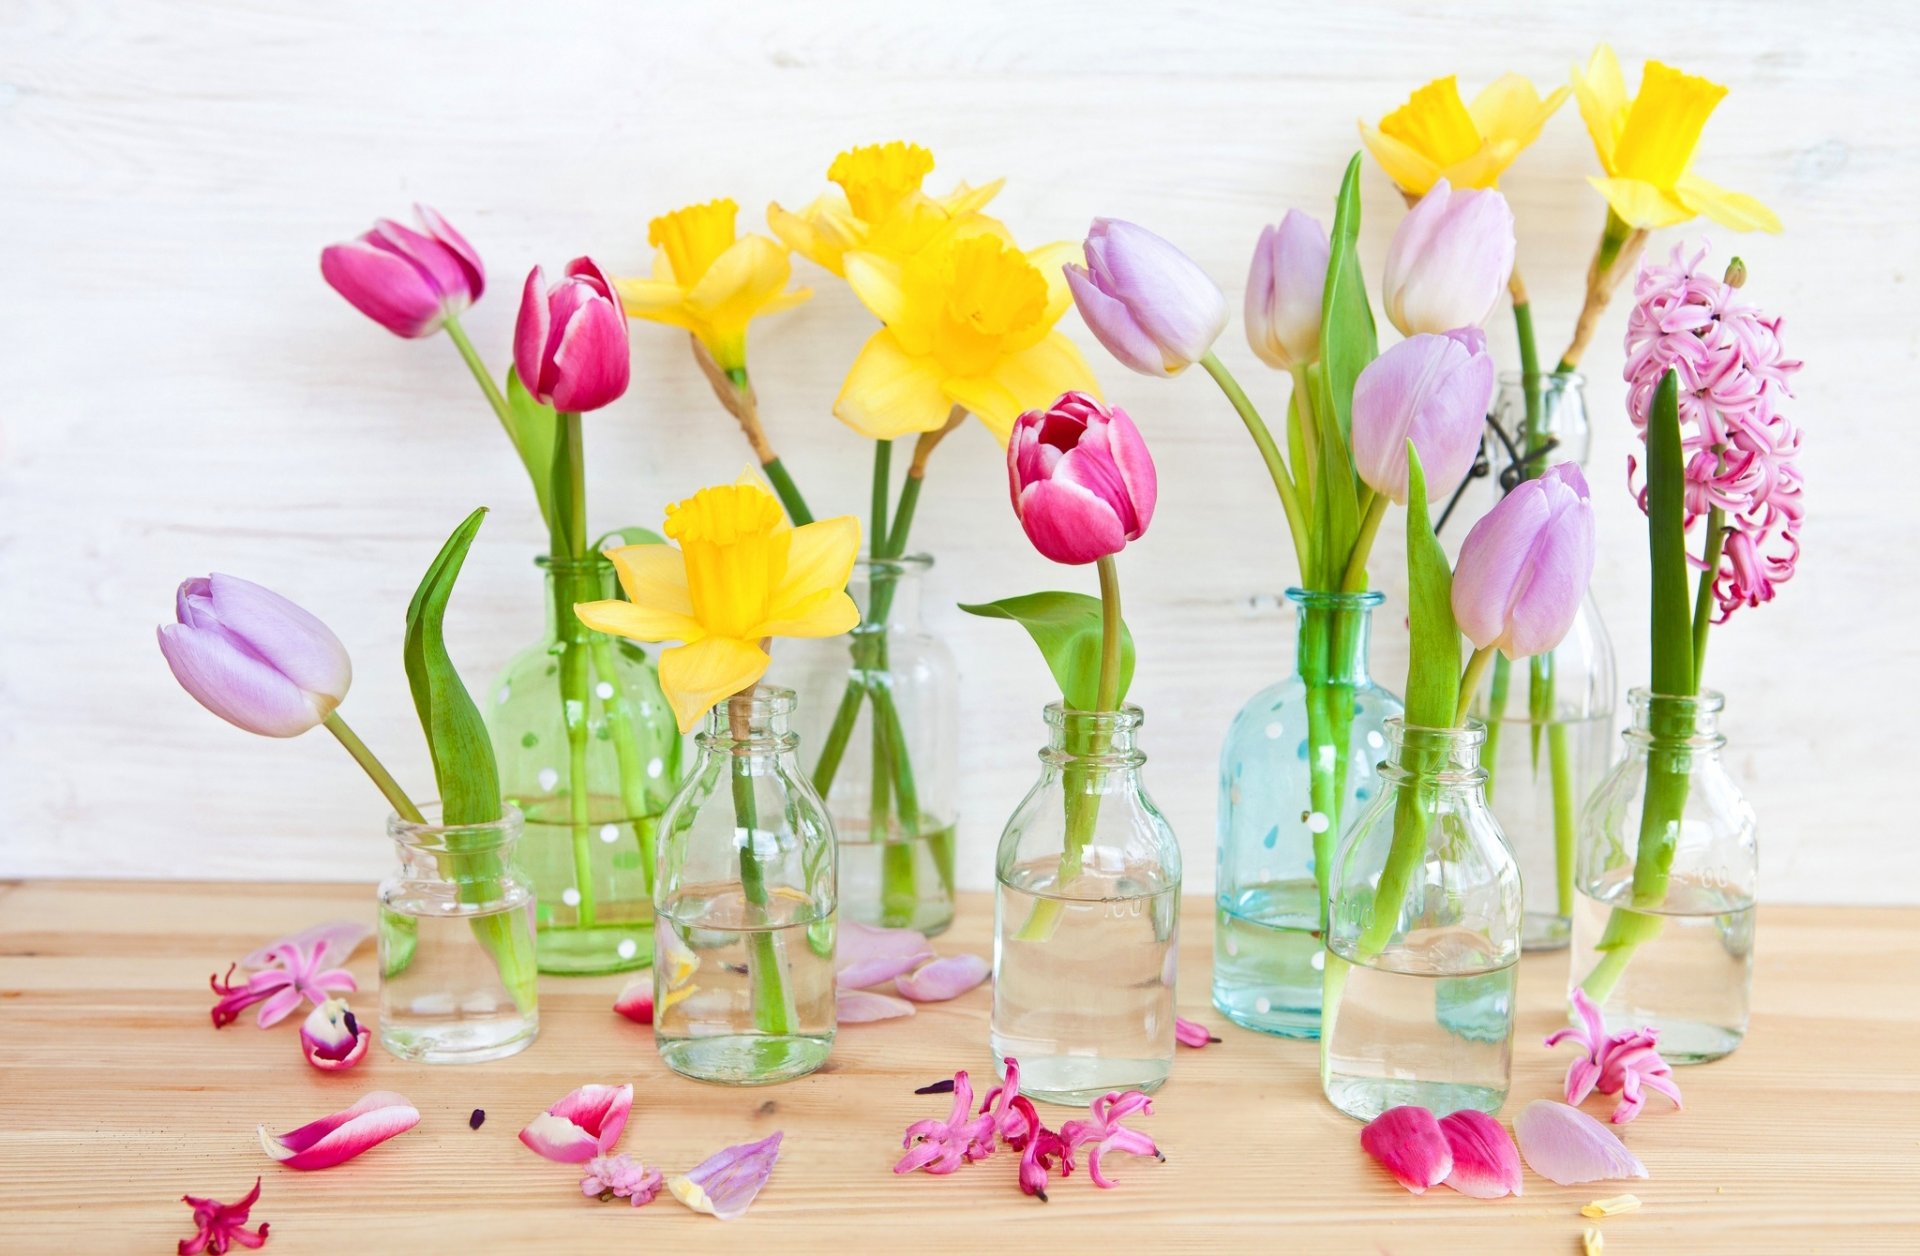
<point>866,955</point>
<point>1409,1142</point>
<point>1486,1165</point>
<point>219,1226</point>
<point>1626,1064</point>
<point>332,1039</point>
<point>1102,1133</point>
<point>1192,1033</point>
<point>1011,1115</point>
<point>332,943</point>
<point>585,1124</point>
<point>1567,1146</point>
<point>302,967</point>
<point>724,1185</point>
<point>858,1007</point>
<point>620,1177</point>
<point>943,1146</point>
<point>943,979</point>
<point>636,1001</point>
<point>339,1138</point>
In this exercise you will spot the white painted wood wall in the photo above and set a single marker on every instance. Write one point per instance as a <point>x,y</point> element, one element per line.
<point>184,394</point>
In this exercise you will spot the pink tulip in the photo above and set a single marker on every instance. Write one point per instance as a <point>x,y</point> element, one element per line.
<point>253,658</point>
<point>1145,300</point>
<point>408,282</point>
<point>570,344</point>
<point>1284,289</point>
<point>1432,390</point>
<point>1449,261</point>
<point>1524,568</point>
<point>1083,483</point>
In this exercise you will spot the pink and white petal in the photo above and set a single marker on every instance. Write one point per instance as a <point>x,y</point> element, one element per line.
<point>636,1001</point>
<point>331,1064</point>
<point>866,955</point>
<point>338,1138</point>
<point>333,942</point>
<point>943,979</point>
<point>859,1007</point>
<point>1070,524</point>
<point>724,1184</point>
<point>559,1139</point>
<point>597,1112</point>
<point>1486,1165</point>
<point>1567,1146</point>
<point>1408,1141</point>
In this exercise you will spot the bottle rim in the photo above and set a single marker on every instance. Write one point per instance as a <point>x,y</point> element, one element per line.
<point>593,563</point>
<point>1333,600</point>
<point>1558,378</point>
<point>1128,718</point>
<point>433,835</point>
<point>914,564</point>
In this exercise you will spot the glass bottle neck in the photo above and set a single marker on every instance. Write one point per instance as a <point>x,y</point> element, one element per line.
<point>1334,635</point>
<point>753,723</point>
<point>1547,411</point>
<point>1443,758</point>
<point>887,591</point>
<point>1689,722</point>
<point>591,579</point>
<point>1103,738</point>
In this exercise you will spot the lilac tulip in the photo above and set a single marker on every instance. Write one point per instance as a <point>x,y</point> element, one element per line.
<point>410,282</point>
<point>1145,300</point>
<point>1284,289</point>
<point>1449,261</point>
<point>1083,483</point>
<point>1432,390</point>
<point>570,344</point>
<point>1524,568</point>
<point>253,658</point>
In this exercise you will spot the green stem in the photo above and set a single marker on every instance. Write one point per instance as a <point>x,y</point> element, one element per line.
<point>627,753</point>
<point>788,492</point>
<point>1356,577</point>
<point>1496,712</point>
<point>1107,688</point>
<point>375,769</point>
<point>576,680</point>
<point>1269,453</point>
<point>1703,600</point>
<point>882,460</point>
<point>903,515</point>
<point>772,1013</point>
<point>1470,682</point>
<point>495,398</point>
<point>1563,816</point>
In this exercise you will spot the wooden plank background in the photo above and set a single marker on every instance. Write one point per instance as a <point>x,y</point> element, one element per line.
<point>184,393</point>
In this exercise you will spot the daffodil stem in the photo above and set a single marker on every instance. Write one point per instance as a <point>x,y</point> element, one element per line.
<point>882,484</point>
<point>375,769</point>
<point>788,492</point>
<point>1269,452</point>
<point>481,375</point>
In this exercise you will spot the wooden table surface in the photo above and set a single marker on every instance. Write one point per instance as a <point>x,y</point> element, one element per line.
<point>117,1096</point>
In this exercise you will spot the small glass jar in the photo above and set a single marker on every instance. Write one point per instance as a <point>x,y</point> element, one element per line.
<point>743,981</point>
<point>885,694</point>
<point>576,707</point>
<point>1299,758</point>
<point>1669,868</point>
<point>1424,938</point>
<point>1086,919</point>
<point>458,982</point>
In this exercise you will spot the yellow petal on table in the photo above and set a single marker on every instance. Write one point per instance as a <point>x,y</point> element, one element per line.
<point>1663,127</point>
<point>1734,210</point>
<point>1410,171</point>
<point>695,677</point>
<point>654,576</point>
<point>639,623</point>
<point>1612,1206</point>
<point>889,394</point>
<point>1640,204</point>
<point>1602,92</point>
<point>1032,379</point>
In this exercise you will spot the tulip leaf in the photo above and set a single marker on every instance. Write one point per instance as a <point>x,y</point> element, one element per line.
<point>1066,627</point>
<point>463,763</point>
<point>1433,663</point>
<point>532,426</point>
<point>1347,341</point>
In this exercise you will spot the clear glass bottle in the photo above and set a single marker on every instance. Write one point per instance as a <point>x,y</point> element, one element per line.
<point>1423,949</point>
<point>1267,953</point>
<point>458,983</point>
<point>896,826</point>
<point>1673,947</point>
<point>1549,729</point>
<point>1086,919</point>
<point>589,851</point>
<point>743,981</point>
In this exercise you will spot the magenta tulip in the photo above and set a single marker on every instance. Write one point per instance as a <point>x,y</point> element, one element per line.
<point>570,344</point>
<point>410,282</point>
<point>1145,300</point>
<point>1524,568</point>
<point>1449,261</point>
<point>1432,390</point>
<point>1083,483</point>
<point>253,658</point>
<point>1284,289</point>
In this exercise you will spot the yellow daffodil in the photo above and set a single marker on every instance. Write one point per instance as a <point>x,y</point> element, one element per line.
<point>1646,146</point>
<point>711,280</point>
<point>969,322</point>
<point>1436,135</point>
<point>740,574</point>
<point>878,209</point>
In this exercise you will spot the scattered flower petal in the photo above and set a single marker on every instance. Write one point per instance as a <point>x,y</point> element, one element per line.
<point>866,955</point>
<point>1104,1133</point>
<point>943,1146</point>
<point>332,1039</point>
<point>855,1007</point>
<point>1567,1146</point>
<point>1010,1114</point>
<point>943,978</point>
<point>1592,1243</point>
<point>335,942</point>
<point>725,1183</point>
<point>305,965</point>
<point>1192,1033</point>
<point>1627,1064</point>
<point>585,1124</point>
<point>338,1138</point>
<point>620,1177</point>
<point>1611,1207</point>
<point>1409,1142</point>
<point>636,1001</point>
<point>221,1225</point>
<point>478,1118</point>
<point>1486,1164</point>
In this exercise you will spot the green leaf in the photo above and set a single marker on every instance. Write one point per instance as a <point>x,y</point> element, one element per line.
<point>1433,665</point>
<point>463,763</point>
<point>1347,341</point>
<point>531,425</point>
<point>1667,543</point>
<point>1066,627</point>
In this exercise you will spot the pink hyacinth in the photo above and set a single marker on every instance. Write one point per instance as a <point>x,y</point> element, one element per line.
<point>1627,1064</point>
<point>305,966</point>
<point>1103,1133</point>
<point>1741,450</point>
<point>941,1147</point>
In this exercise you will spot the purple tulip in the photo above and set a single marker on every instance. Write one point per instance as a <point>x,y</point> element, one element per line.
<point>1083,483</point>
<point>1145,300</point>
<point>570,344</point>
<point>1449,261</point>
<point>1284,288</point>
<point>408,282</point>
<point>1524,568</point>
<point>253,658</point>
<point>1432,390</point>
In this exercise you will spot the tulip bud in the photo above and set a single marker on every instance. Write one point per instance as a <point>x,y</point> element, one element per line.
<point>1284,288</point>
<point>407,282</point>
<point>1449,261</point>
<point>570,343</point>
<point>1083,483</point>
<point>1145,300</point>
<point>1524,568</point>
<point>253,658</point>
<point>1432,390</point>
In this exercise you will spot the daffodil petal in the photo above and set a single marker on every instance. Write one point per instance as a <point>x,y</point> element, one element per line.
<point>1640,204</point>
<point>1410,171</point>
<point>1029,380</point>
<point>965,200</point>
<point>889,393</point>
<point>877,281</point>
<point>1051,261</point>
<point>1602,92</point>
<point>819,560</point>
<point>640,623</point>
<point>1664,124</point>
<point>1734,210</point>
<point>744,277</point>
<point>1509,108</point>
<point>654,576</point>
<point>656,300</point>
<point>695,677</point>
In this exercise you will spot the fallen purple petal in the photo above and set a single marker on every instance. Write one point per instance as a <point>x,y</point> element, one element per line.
<point>943,979</point>
<point>866,955</point>
<point>1485,1163</point>
<point>1565,1145</point>
<point>1409,1143</point>
<point>856,1007</point>
<point>477,1119</point>
<point>942,1087</point>
<point>724,1185</point>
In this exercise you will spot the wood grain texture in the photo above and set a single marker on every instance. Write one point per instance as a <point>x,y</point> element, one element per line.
<point>119,1097</point>
<point>186,394</point>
